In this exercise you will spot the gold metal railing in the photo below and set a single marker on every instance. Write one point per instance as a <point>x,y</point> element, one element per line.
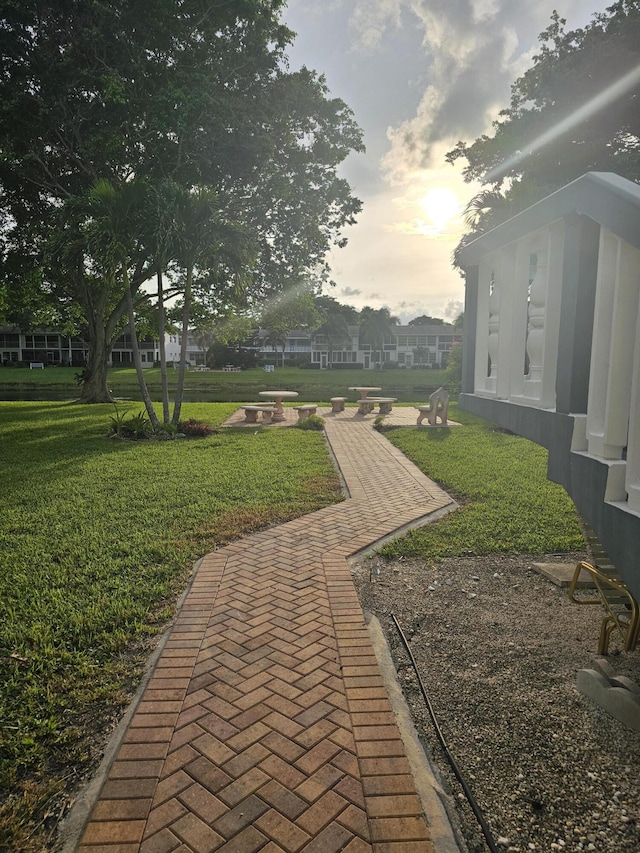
<point>622,611</point>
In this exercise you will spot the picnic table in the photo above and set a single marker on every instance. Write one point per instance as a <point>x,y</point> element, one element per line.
<point>364,390</point>
<point>278,397</point>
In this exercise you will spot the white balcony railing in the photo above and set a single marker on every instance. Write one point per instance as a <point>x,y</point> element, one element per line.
<point>522,269</point>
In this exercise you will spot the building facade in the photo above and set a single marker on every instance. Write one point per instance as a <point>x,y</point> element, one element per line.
<point>408,346</point>
<point>552,347</point>
<point>52,349</point>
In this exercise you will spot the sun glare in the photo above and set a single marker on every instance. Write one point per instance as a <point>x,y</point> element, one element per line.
<point>441,205</point>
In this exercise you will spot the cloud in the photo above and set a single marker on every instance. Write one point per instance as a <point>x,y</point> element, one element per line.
<point>370,21</point>
<point>350,291</point>
<point>475,49</point>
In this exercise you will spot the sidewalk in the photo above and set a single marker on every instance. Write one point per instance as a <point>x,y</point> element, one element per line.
<point>266,725</point>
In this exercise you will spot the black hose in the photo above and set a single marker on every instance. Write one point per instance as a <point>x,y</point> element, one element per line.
<point>491,844</point>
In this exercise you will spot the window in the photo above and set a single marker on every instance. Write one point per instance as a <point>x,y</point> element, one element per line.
<point>432,340</point>
<point>400,358</point>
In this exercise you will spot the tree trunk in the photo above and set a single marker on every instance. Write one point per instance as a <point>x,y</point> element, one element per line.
<point>94,386</point>
<point>137,361</point>
<point>163,352</point>
<point>182,367</point>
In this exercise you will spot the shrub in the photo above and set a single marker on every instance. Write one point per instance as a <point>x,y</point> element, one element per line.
<point>453,371</point>
<point>312,422</point>
<point>194,428</point>
<point>165,431</point>
<point>134,428</point>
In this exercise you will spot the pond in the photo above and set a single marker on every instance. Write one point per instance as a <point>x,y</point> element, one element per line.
<point>33,395</point>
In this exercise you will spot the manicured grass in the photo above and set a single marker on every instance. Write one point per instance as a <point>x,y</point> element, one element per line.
<point>97,539</point>
<point>98,536</point>
<point>313,386</point>
<point>509,505</point>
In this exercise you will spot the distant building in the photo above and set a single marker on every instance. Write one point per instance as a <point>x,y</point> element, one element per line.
<point>51,349</point>
<point>408,346</point>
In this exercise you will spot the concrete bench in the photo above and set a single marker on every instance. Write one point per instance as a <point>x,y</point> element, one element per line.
<point>33,364</point>
<point>305,411</point>
<point>252,411</point>
<point>367,406</point>
<point>337,404</point>
<point>438,405</point>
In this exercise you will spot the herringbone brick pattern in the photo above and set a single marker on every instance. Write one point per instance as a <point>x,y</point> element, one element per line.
<point>265,725</point>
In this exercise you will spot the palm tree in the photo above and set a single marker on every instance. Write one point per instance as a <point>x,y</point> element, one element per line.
<point>204,239</point>
<point>161,239</point>
<point>336,331</point>
<point>376,324</point>
<point>109,224</point>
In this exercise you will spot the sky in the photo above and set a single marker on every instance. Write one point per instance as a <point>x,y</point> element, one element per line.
<point>419,75</point>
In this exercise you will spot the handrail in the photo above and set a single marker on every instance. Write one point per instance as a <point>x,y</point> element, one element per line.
<point>612,593</point>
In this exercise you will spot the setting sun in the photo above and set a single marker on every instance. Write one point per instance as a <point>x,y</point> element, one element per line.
<point>441,205</point>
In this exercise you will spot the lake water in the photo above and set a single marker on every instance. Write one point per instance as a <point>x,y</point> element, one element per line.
<point>31,395</point>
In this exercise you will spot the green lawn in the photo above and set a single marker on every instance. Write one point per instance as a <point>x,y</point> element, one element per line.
<point>97,538</point>
<point>509,505</point>
<point>313,386</point>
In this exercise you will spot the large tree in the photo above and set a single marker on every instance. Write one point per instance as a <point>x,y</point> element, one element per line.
<point>336,319</point>
<point>576,109</point>
<point>376,326</point>
<point>294,308</point>
<point>193,90</point>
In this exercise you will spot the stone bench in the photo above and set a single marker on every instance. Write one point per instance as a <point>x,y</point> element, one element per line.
<point>305,411</point>
<point>438,406</point>
<point>252,411</point>
<point>337,404</point>
<point>36,364</point>
<point>365,407</point>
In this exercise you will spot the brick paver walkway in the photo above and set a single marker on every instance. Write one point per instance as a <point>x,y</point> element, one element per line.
<point>265,725</point>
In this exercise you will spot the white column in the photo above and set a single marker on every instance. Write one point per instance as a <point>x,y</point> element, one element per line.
<point>612,352</point>
<point>535,328</point>
<point>554,241</point>
<point>485,271</point>
<point>632,478</point>
<point>493,343</point>
<point>518,318</point>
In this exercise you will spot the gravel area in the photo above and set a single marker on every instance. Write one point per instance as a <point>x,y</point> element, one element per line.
<point>498,646</point>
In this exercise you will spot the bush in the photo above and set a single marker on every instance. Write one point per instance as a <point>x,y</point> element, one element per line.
<point>312,422</point>
<point>165,431</point>
<point>453,371</point>
<point>134,428</point>
<point>195,429</point>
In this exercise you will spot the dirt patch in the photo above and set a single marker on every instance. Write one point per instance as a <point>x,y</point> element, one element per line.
<point>498,646</point>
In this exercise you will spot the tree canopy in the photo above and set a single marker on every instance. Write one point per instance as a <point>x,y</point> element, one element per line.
<point>425,320</point>
<point>192,91</point>
<point>376,325</point>
<point>576,109</point>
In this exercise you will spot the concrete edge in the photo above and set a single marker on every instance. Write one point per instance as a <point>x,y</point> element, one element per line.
<point>427,780</point>
<point>72,825</point>
<point>421,521</point>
